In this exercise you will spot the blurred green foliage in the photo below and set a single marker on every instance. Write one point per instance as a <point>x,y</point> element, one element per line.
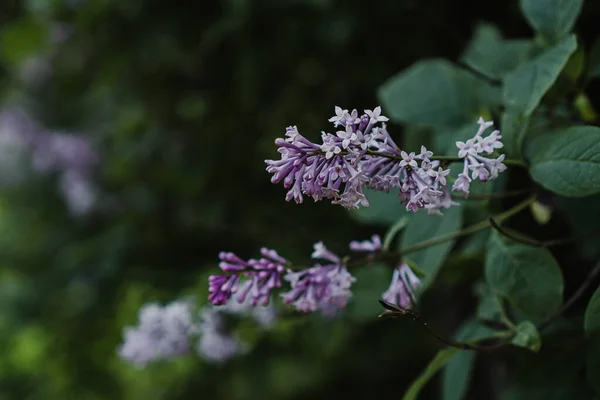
<point>183,102</point>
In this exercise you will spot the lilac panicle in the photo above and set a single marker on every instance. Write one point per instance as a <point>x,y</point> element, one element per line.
<point>472,151</point>
<point>402,288</point>
<point>361,154</point>
<point>253,279</point>
<point>321,287</point>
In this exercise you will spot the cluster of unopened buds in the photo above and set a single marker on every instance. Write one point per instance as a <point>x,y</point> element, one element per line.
<point>324,287</point>
<point>361,154</point>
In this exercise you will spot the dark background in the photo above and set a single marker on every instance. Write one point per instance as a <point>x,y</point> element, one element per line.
<point>182,102</point>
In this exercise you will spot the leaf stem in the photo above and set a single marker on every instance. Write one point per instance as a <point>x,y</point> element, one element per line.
<point>470,229</point>
<point>396,311</point>
<point>594,273</point>
<point>527,241</point>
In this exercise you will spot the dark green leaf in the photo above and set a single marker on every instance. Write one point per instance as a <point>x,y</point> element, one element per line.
<point>441,358</point>
<point>527,336</point>
<point>433,93</point>
<point>552,19</point>
<point>385,208</point>
<point>528,276</point>
<point>457,372</point>
<point>424,227</point>
<point>567,162</point>
<point>592,331</point>
<point>489,54</point>
<point>490,306</point>
<point>525,86</point>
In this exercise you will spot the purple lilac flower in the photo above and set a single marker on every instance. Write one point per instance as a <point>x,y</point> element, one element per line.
<point>260,277</point>
<point>481,167</point>
<point>402,288</point>
<point>370,246</point>
<point>321,287</point>
<point>162,333</point>
<point>362,154</point>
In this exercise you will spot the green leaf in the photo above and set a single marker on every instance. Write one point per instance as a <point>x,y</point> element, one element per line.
<point>424,227</point>
<point>527,336</point>
<point>592,331</point>
<point>441,358</point>
<point>567,162</point>
<point>525,86</point>
<point>493,56</point>
<point>371,282</point>
<point>490,306</point>
<point>434,93</point>
<point>552,19</point>
<point>528,276</point>
<point>457,372</point>
<point>385,208</point>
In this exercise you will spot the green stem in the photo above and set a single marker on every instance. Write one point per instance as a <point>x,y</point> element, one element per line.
<point>470,229</point>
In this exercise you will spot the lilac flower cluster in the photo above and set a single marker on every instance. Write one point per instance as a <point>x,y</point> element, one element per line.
<point>362,154</point>
<point>481,167</point>
<point>261,276</point>
<point>321,287</point>
<point>71,156</point>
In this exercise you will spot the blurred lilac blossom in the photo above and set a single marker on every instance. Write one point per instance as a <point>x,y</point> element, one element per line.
<point>162,333</point>
<point>71,156</point>
<point>215,345</point>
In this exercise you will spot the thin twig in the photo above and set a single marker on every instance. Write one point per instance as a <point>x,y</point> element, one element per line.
<point>594,273</point>
<point>527,241</point>
<point>444,238</point>
<point>396,311</point>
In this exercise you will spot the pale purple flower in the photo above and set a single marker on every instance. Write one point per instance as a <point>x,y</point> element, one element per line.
<point>376,116</point>
<point>371,246</point>
<point>481,167</point>
<point>162,333</point>
<point>321,287</point>
<point>340,116</point>
<point>215,345</point>
<point>402,287</point>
